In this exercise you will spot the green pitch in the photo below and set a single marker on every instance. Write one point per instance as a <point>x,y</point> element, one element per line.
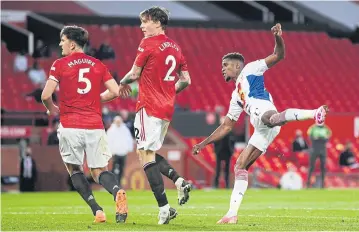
<point>261,210</point>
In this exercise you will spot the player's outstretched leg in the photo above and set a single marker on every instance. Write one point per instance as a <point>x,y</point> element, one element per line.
<point>83,187</point>
<point>244,161</point>
<point>183,187</point>
<point>272,118</point>
<point>108,181</point>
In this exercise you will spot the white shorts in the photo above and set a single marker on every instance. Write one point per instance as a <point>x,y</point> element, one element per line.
<point>263,136</point>
<point>149,131</point>
<point>73,143</point>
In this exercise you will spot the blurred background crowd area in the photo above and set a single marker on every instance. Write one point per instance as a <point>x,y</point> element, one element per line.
<point>321,67</point>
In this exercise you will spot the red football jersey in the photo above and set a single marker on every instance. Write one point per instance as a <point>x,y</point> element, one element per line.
<point>80,79</point>
<point>161,59</point>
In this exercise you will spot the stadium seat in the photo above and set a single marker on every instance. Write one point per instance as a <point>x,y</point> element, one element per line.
<point>308,64</point>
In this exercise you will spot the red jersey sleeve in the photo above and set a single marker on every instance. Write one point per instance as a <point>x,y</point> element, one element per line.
<point>143,52</point>
<point>55,71</point>
<point>106,74</point>
<point>183,64</point>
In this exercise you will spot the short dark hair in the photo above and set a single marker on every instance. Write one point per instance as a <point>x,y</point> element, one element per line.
<point>157,14</point>
<point>77,34</point>
<point>234,56</point>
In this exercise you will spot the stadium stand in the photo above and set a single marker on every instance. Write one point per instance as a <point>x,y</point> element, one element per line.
<point>295,82</point>
<point>204,62</point>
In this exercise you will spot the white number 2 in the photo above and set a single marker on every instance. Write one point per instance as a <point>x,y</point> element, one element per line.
<point>87,89</point>
<point>168,76</point>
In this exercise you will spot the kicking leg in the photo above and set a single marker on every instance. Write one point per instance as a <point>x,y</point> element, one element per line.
<point>183,187</point>
<point>83,187</point>
<point>108,180</point>
<point>272,118</point>
<point>248,156</point>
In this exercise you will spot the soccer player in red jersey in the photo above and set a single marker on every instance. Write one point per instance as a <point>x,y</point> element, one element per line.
<point>158,62</point>
<point>81,129</point>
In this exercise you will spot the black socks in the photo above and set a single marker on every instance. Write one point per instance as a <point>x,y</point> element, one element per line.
<point>166,169</point>
<point>156,182</point>
<point>84,189</point>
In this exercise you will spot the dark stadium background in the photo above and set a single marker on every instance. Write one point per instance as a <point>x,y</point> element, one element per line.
<point>321,67</point>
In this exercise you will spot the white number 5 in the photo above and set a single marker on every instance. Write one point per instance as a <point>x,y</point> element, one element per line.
<point>87,89</point>
<point>168,76</point>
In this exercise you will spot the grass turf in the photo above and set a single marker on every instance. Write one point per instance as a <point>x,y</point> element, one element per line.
<point>261,210</point>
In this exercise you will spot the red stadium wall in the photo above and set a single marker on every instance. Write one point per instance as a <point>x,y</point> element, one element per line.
<point>52,175</point>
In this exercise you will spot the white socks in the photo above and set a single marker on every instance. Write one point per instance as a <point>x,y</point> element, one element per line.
<point>165,208</point>
<point>299,115</point>
<point>240,187</point>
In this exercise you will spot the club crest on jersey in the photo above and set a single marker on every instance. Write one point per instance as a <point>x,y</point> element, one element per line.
<point>241,97</point>
<point>140,49</point>
<point>241,94</point>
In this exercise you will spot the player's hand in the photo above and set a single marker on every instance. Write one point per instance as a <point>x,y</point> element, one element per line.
<point>197,148</point>
<point>277,30</point>
<point>54,111</point>
<point>124,90</point>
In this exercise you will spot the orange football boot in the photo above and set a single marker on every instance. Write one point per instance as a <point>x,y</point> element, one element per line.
<point>100,217</point>
<point>121,206</point>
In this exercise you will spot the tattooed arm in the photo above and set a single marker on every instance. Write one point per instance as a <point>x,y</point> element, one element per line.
<point>132,75</point>
<point>183,82</point>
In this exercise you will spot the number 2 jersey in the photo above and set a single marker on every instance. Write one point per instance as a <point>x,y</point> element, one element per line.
<point>161,60</point>
<point>80,78</point>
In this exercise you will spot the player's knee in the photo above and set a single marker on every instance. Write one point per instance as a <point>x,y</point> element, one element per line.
<point>75,172</point>
<point>73,168</point>
<point>158,158</point>
<point>146,157</point>
<point>272,121</point>
<point>240,164</point>
<point>96,173</point>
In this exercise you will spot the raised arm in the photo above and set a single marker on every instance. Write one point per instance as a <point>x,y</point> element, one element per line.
<point>279,48</point>
<point>183,82</point>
